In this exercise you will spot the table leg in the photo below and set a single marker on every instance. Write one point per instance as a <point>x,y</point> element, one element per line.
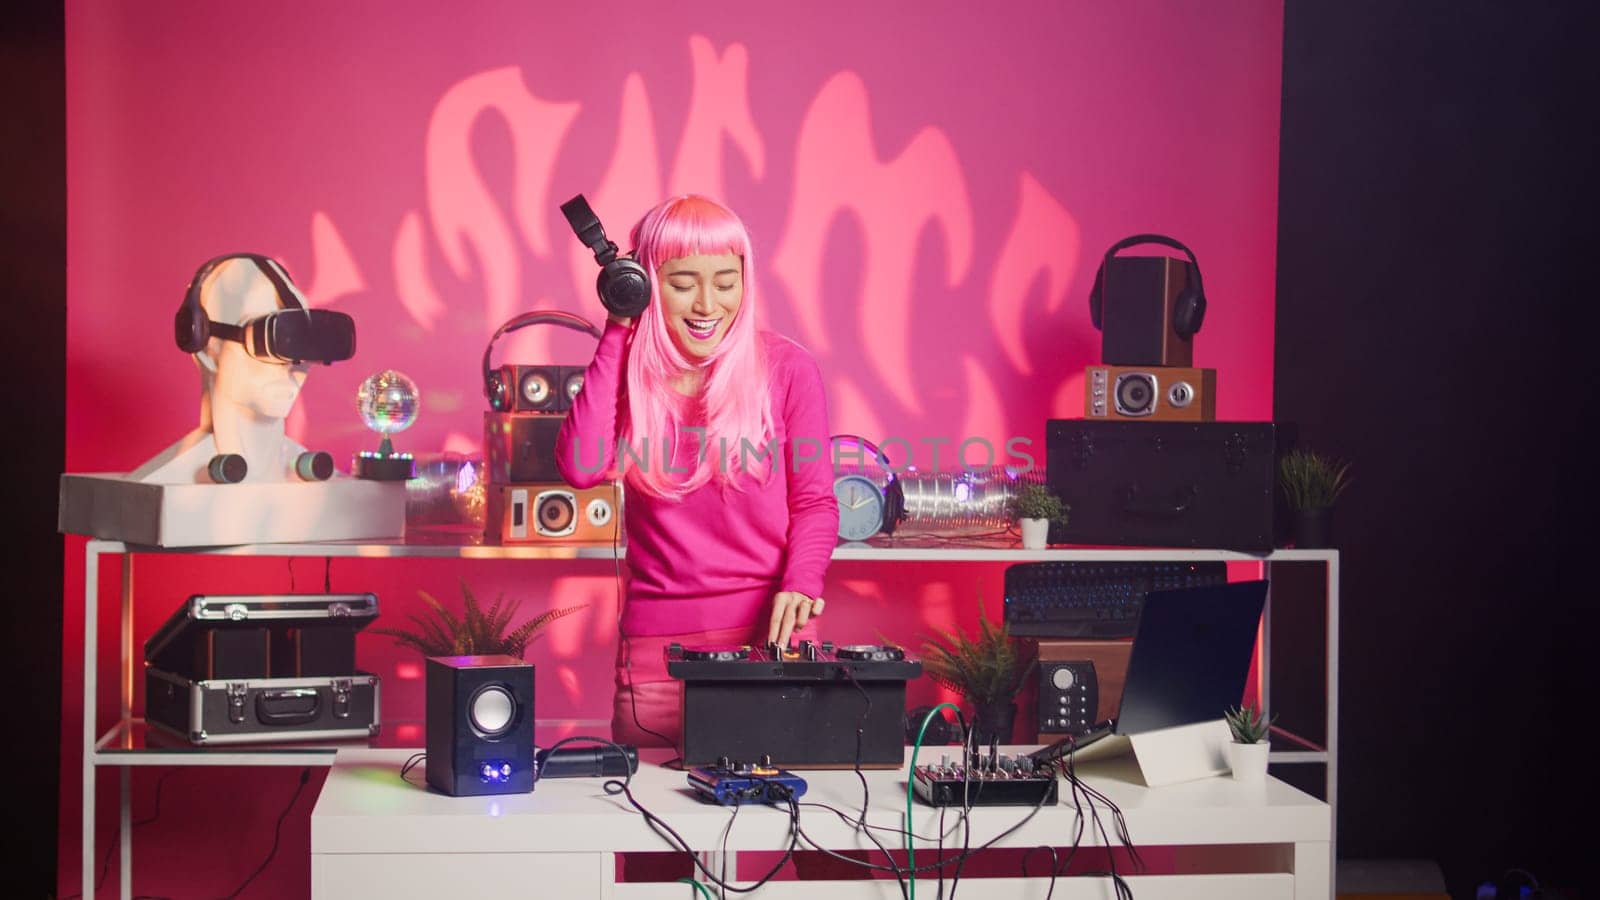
<point>125,858</point>
<point>91,600</point>
<point>1313,875</point>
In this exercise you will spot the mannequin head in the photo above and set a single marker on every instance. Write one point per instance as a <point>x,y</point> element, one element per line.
<point>232,293</point>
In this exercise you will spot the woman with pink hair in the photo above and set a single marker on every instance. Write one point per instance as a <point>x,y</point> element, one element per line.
<point>719,432</point>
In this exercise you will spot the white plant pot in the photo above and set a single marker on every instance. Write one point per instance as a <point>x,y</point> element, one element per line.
<point>1248,761</point>
<point>1035,532</point>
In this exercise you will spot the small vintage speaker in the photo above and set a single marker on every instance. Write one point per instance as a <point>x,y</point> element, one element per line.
<point>479,725</point>
<point>1138,303</point>
<point>1150,393</point>
<point>1080,683</point>
<point>541,389</point>
<point>521,447</point>
<point>552,512</point>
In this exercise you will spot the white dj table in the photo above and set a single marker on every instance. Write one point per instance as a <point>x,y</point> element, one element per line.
<point>374,834</point>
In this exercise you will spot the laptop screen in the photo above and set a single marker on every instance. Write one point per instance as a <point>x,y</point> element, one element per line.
<point>1191,655</point>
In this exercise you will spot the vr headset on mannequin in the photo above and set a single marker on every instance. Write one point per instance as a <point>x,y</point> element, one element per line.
<point>293,334</point>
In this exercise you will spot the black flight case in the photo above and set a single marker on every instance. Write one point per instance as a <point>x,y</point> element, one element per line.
<point>228,669</point>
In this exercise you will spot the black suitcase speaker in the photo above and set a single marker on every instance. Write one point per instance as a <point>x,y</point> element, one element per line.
<point>1164,484</point>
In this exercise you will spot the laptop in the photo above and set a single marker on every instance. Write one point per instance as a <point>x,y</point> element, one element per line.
<point>1191,655</point>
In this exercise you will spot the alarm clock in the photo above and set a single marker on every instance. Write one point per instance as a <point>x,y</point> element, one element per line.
<point>870,497</point>
<point>860,506</point>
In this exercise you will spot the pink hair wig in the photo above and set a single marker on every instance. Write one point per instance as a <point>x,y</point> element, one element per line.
<point>733,403</point>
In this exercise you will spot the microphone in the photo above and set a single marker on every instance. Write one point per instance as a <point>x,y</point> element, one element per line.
<point>586,762</point>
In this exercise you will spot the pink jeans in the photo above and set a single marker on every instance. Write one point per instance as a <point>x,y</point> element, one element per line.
<point>647,710</point>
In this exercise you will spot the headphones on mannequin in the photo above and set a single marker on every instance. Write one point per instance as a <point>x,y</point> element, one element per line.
<point>291,334</point>
<point>1188,313</point>
<point>624,286</point>
<point>498,384</point>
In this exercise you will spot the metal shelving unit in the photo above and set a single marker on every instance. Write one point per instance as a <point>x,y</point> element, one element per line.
<point>130,742</point>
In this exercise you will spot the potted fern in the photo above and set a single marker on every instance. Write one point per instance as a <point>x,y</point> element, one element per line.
<point>987,670</point>
<point>1312,484</point>
<point>1247,754</point>
<point>1036,507</point>
<point>474,631</point>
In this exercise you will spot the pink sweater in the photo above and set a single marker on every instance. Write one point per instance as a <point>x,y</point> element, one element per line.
<point>714,559</point>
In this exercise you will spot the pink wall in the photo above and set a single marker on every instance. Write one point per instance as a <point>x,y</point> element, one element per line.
<point>929,189</point>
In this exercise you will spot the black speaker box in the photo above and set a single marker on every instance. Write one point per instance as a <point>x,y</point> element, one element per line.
<point>521,447</point>
<point>799,724</point>
<point>479,725</point>
<point>1164,484</point>
<point>1137,300</point>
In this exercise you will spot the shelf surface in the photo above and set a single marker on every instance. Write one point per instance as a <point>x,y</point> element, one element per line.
<point>135,742</point>
<point>916,547</point>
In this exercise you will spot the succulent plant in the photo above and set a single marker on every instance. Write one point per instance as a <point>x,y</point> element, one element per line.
<point>1248,724</point>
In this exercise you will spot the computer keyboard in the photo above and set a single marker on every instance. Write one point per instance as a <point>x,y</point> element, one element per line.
<point>1093,599</point>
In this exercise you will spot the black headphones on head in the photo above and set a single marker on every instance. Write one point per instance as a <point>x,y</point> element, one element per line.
<point>624,285</point>
<point>1188,313</point>
<point>193,328</point>
<point>495,383</point>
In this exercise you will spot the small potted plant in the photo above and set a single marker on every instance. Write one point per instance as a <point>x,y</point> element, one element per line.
<point>1247,754</point>
<point>987,670</point>
<point>1312,484</point>
<point>475,631</point>
<point>1036,507</point>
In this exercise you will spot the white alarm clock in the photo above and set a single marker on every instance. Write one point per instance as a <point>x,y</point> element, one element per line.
<point>860,506</point>
<point>869,495</point>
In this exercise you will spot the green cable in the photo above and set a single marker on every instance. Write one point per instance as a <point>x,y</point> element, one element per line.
<point>911,775</point>
<point>700,889</point>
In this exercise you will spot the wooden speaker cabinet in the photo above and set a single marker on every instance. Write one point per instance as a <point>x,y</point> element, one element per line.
<point>1137,323</point>
<point>1080,683</point>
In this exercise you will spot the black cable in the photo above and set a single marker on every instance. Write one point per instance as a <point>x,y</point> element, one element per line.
<point>1120,826</point>
<point>866,794</point>
<point>846,817</point>
<point>277,833</point>
<point>671,836</point>
<point>968,745</point>
<point>1052,851</point>
<point>327,574</point>
<point>725,831</point>
<point>411,763</point>
<point>928,867</point>
<point>623,786</point>
<point>633,702</point>
<point>105,861</point>
<point>627,646</point>
<point>289,561</point>
<point>849,819</point>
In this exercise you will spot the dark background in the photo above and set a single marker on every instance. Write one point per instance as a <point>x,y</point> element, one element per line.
<point>1430,329</point>
<point>1431,326</point>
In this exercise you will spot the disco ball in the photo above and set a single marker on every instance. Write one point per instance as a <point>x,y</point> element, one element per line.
<point>388,402</point>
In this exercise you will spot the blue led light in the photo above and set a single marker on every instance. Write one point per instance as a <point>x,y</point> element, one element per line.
<point>495,771</point>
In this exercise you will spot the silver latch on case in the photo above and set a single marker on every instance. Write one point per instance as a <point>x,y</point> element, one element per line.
<point>237,691</point>
<point>341,698</point>
<point>236,612</point>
